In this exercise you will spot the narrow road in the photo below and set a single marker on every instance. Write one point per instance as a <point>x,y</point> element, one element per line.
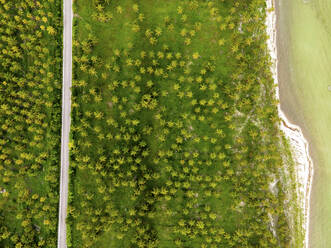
<point>66,107</point>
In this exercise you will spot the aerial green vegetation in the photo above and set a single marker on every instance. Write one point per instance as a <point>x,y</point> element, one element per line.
<point>306,37</point>
<point>30,121</point>
<point>175,139</point>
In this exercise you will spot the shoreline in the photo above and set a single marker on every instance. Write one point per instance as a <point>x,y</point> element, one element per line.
<point>293,133</point>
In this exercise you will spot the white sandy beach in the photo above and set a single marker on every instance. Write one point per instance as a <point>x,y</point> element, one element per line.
<point>293,133</point>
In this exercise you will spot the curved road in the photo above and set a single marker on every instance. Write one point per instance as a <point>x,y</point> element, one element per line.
<point>66,107</point>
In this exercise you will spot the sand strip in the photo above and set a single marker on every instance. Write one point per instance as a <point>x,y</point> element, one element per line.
<point>293,133</point>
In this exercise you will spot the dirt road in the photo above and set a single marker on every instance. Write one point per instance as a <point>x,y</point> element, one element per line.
<point>66,107</point>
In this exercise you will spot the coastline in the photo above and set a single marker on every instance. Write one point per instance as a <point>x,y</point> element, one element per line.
<point>293,133</point>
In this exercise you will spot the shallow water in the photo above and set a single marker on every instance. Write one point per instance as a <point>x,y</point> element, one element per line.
<point>304,51</point>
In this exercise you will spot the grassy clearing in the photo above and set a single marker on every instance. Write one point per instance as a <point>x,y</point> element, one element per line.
<point>175,135</point>
<point>308,100</point>
<point>30,122</point>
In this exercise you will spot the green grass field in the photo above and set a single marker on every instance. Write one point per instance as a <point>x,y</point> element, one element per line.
<point>307,100</point>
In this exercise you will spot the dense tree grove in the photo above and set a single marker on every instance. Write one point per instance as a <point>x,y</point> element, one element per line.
<point>175,138</point>
<point>30,121</point>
